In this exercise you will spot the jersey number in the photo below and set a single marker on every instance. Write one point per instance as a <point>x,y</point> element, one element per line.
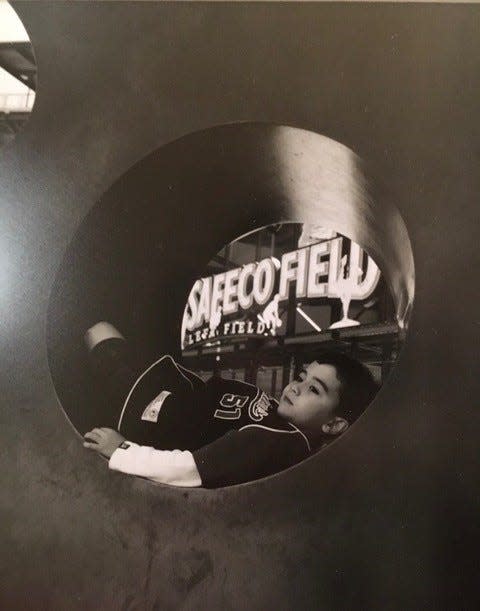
<point>233,405</point>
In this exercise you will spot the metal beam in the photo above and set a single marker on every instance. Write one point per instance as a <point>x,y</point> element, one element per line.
<point>18,60</point>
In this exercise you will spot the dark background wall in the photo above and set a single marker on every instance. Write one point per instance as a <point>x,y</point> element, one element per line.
<point>386,518</point>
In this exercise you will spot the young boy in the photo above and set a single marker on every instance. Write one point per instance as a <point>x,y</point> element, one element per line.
<point>176,429</point>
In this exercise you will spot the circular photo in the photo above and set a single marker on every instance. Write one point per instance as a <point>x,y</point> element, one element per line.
<point>18,74</point>
<point>230,307</point>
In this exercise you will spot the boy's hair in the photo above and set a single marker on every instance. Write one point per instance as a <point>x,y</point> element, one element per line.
<point>358,388</point>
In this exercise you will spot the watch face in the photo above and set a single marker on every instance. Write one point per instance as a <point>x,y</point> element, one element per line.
<point>243,251</point>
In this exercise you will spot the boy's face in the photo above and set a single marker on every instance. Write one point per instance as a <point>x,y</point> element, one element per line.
<point>311,401</point>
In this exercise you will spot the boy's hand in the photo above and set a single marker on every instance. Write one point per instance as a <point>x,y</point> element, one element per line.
<point>104,441</point>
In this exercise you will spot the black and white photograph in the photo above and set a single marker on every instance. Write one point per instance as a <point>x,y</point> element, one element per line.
<point>238,284</point>
<point>285,337</point>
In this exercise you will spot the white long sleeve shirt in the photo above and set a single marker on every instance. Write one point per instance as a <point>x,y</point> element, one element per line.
<point>174,467</point>
<point>238,456</point>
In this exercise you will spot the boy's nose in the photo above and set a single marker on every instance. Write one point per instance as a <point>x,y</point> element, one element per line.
<point>295,388</point>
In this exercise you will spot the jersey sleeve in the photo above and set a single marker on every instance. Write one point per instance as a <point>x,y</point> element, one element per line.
<point>163,408</point>
<point>249,454</point>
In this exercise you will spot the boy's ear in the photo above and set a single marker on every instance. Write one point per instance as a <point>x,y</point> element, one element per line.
<point>335,426</point>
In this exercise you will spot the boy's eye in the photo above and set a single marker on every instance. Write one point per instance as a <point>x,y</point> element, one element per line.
<point>315,390</point>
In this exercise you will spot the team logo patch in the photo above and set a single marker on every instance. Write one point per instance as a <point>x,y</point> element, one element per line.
<point>152,411</point>
<point>259,408</point>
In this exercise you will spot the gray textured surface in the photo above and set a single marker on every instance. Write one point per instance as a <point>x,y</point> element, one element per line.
<point>384,519</point>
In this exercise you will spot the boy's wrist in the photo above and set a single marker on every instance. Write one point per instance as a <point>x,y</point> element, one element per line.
<point>121,455</point>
